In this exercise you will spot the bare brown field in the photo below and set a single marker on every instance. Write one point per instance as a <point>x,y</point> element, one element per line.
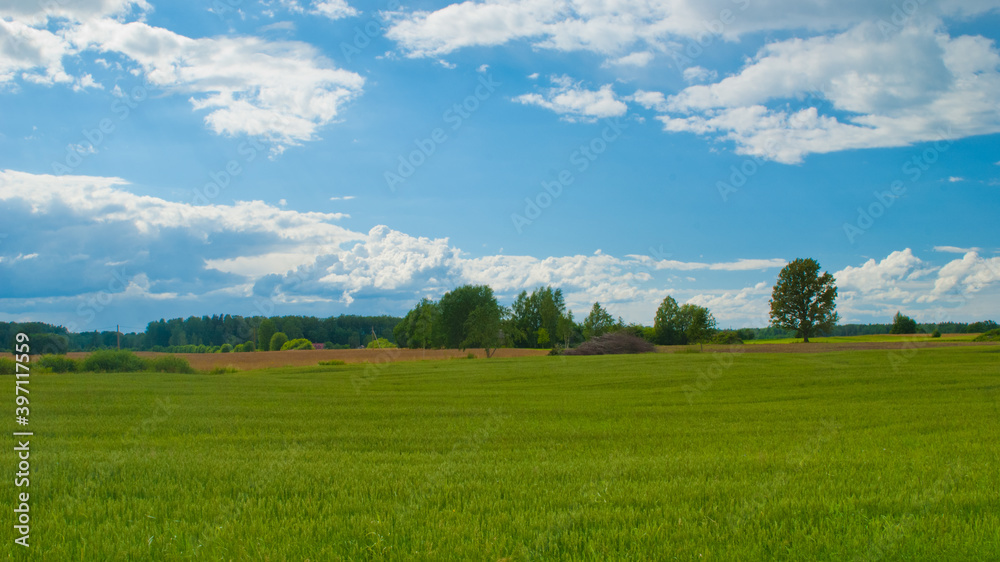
<point>304,357</point>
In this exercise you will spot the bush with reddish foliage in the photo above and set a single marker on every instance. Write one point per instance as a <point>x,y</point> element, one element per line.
<point>614,343</point>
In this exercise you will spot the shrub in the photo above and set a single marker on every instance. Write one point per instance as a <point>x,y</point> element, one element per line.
<point>170,364</point>
<point>7,366</point>
<point>470,355</point>
<point>111,361</point>
<point>380,343</point>
<point>332,362</point>
<point>614,343</point>
<point>58,363</point>
<point>277,341</point>
<point>726,337</point>
<point>936,333</point>
<point>557,350</point>
<point>249,346</point>
<point>226,348</point>
<point>224,370</point>
<point>298,343</point>
<point>992,335</point>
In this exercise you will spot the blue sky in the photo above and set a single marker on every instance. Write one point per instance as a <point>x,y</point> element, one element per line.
<point>327,156</point>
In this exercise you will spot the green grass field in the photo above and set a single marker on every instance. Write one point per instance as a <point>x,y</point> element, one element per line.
<point>872,338</point>
<point>863,455</point>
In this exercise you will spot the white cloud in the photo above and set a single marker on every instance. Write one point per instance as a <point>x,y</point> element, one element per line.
<point>575,103</point>
<point>90,228</point>
<point>955,179</point>
<point>283,91</point>
<point>649,100</point>
<point>963,277</point>
<point>31,54</point>
<point>699,74</point>
<point>638,59</point>
<point>344,198</point>
<point>955,249</point>
<point>106,200</point>
<point>483,68</point>
<point>616,28</point>
<point>879,276</point>
<point>35,13</point>
<point>333,9</point>
<point>738,265</point>
<point>913,86</point>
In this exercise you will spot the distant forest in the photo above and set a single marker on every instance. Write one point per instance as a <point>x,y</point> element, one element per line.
<point>208,333</point>
<point>203,334</point>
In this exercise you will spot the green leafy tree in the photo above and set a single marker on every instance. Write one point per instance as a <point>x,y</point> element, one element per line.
<point>667,323</point>
<point>456,307</point>
<point>566,328</point>
<point>698,323</point>
<point>277,340</point>
<point>265,331</point>
<point>417,329</point>
<point>598,322</point>
<point>544,308</point>
<point>803,300</point>
<point>381,343</point>
<point>297,343</point>
<point>484,328</point>
<point>543,338</point>
<point>902,324</point>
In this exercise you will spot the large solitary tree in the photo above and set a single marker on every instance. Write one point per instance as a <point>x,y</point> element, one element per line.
<point>803,300</point>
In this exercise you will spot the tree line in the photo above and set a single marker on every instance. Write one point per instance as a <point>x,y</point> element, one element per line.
<point>802,305</point>
<point>204,334</point>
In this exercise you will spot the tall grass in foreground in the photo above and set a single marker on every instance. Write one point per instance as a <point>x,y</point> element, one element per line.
<point>836,456</point>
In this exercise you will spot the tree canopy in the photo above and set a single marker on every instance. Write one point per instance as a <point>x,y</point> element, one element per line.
<point>902,324</point>
<point>803,300</point>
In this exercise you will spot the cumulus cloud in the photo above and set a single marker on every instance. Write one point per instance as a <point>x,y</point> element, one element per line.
<point>963,277</point>
<point>281,91</point>
<point>881,277</point>
<point>97,232</point>
<point>34,55</point>
<point>660,26</point>
<point>89,228</point>
<point>333,9</point>
<point>890,90</point>
<point>575,103</point>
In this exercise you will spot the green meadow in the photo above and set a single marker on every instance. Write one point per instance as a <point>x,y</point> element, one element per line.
<point>895,338</point>
<point>861,455</point>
